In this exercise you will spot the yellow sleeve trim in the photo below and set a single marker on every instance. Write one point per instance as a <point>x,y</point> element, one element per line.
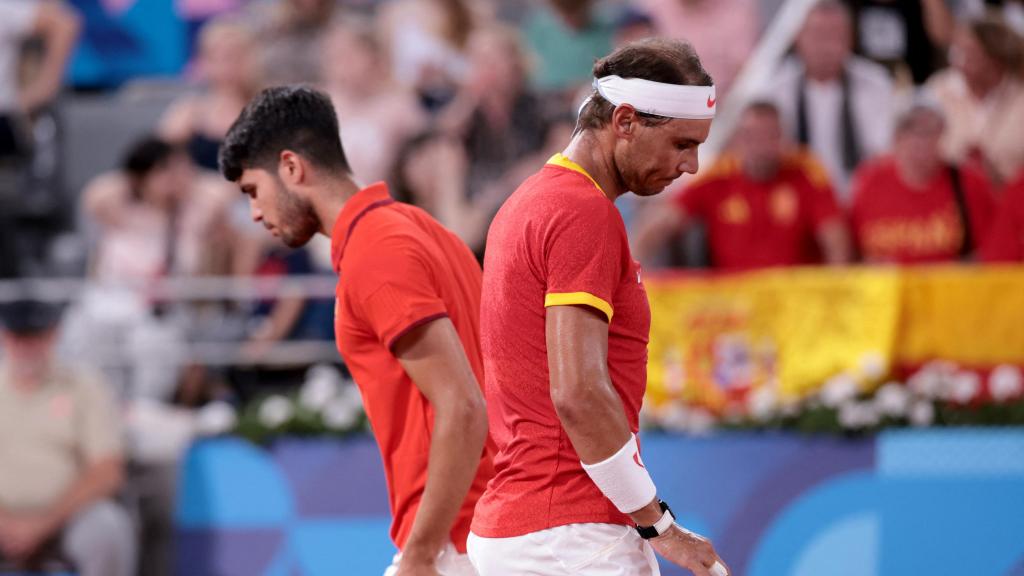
<point>585,298</point>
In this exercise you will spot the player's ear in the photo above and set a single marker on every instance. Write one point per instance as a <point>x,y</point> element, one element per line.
<point>290,167</point>
<point>624,121</point>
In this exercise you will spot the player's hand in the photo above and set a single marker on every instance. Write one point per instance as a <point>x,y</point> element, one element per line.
<point>691,551</point>
<point>414,567</point>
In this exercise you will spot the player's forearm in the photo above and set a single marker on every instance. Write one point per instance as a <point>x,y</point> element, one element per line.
<point>456,444</point>
<point>99,481</point>
<point>592,416</point>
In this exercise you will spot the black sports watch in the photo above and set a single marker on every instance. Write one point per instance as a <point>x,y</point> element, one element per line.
<point>659,527</point>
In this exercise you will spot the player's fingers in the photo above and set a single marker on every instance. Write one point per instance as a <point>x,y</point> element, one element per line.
<point>719,569</point>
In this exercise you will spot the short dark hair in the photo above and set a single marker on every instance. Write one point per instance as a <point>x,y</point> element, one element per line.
<point>655,59</point>
<point>145,155</point>
<point>297,118</point>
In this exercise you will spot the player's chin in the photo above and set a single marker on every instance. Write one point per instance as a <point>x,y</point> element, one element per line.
<point>295,241</point>
<point>652,188</point>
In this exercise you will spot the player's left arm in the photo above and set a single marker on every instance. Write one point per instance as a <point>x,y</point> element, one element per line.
<point>433,357</point>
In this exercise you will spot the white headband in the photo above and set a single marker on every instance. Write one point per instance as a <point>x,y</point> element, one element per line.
<point>668,100</point>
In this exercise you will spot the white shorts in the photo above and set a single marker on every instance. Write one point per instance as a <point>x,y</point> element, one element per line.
<point>591,549</point>
<point>449,563</point>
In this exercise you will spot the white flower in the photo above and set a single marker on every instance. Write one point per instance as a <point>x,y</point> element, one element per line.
<point>892,399</point>
<point>341,414</point>
<point>965,387</point>
<point>838,390</point>
<point>216,418</point>
<point>320,386</point>
<point>1005,383</point>
<point>921,413</point>
<point>873,365</point>
<point>674,416</point>
<point>700,421</point>
<point>762,403</point>
<point>275,411</point>
<point>855,415</point>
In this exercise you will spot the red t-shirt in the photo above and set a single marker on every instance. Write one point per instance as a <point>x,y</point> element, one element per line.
<point>1005,242</point>
<point>753,224</point>
<point>894,222</point>
<point>400,269</point>
<point>558,240</point>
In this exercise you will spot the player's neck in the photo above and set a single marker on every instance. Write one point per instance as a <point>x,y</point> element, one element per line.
<point>595,156</point>
<point>331,200</point>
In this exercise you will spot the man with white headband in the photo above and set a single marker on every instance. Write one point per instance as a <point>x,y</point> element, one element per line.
<point>564,330</point>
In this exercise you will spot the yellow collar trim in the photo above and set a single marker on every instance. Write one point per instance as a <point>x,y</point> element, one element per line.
<point>562,160</point>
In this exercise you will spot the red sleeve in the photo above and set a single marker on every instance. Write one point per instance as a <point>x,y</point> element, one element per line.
<point>395,290</point>
<point>583,252</point>
<point>1005,241</point>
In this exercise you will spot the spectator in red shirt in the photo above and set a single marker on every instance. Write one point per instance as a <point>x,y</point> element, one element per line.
<point>910,207</point>
<point>762,206</point>
<point>1006,239</point>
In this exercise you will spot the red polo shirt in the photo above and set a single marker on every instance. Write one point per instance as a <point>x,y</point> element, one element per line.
<point>399,269</point>
<point>757,224</point>
<point>558,240</point>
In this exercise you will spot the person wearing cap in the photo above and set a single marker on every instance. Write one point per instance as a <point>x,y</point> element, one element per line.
<point>406,317</point>
<point>910,207</point>
<point>564,325</point>
<point>763,205</point>
<point>61,455</point>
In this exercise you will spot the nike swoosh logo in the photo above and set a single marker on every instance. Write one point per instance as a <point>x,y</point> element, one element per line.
<point>711,102</point>
<point>636,458</point>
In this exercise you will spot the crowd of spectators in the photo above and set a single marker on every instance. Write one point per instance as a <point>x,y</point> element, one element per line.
<point>890,133</point>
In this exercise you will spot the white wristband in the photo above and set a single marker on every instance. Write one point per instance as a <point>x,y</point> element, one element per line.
<point>623,479</point>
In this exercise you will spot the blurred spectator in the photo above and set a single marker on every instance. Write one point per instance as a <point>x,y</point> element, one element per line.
<point>504,126</point>
<point>911,207</point>
<point>838,104</point>
<point>566,37</point>
<point>724,32</point>
<point>228,69</point>
<point>632,25</point>
<point>430,172</point>
<point>1011,10</point>
<point>57,27</point>
<point>1006,240</point>
<point>427,41</point>
<point>909,37</point>
<point>375,114</point>
<point>157,216</point>
<point>290,36</point>
<point>982,95</point>
<point>763,207</point>
<point>61,455</point>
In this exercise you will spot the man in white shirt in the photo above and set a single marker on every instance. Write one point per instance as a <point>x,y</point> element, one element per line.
<point>837,104</point>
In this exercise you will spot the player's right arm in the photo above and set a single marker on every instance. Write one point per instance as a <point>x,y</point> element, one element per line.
<point>592,415</point>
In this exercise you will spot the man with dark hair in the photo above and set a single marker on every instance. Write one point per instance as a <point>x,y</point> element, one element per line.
<point>564,331</point>
<point>762,205</point>
<point>406,318</point>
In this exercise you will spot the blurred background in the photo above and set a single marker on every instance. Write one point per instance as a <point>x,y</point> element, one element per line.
<point>835,382</point>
